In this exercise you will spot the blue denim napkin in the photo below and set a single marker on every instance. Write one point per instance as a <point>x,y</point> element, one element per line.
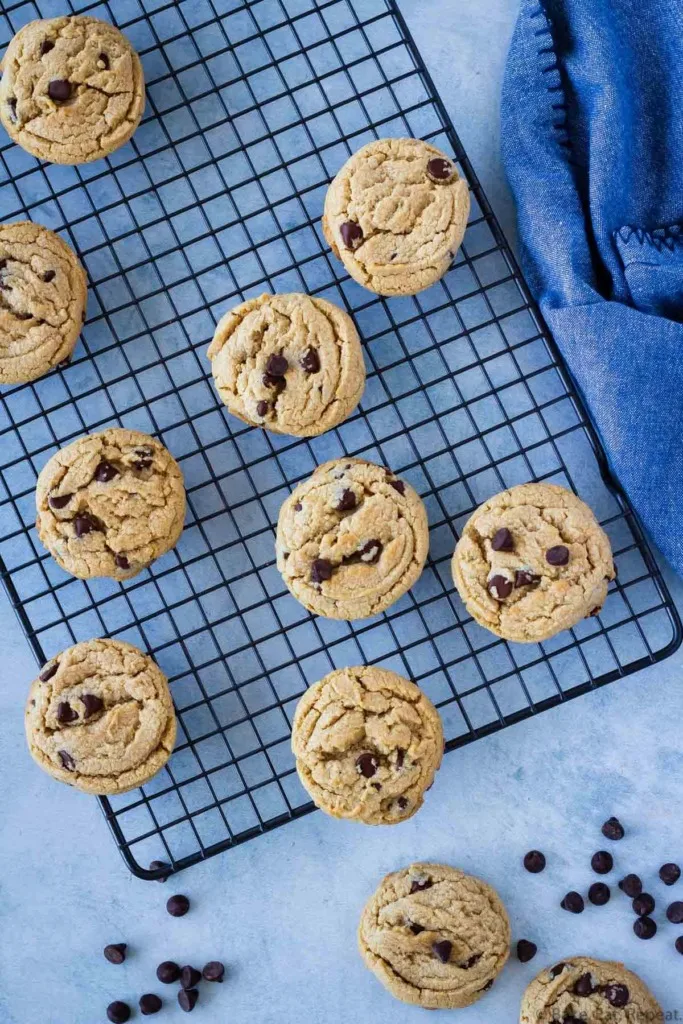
<point>593,148</point>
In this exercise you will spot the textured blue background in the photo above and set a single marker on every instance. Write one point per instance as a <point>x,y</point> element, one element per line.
<point>282,911</point>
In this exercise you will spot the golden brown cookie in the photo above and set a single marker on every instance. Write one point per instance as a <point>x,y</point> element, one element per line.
<point>367,744</point>
<point>72,89</point>
<point>100,717</point>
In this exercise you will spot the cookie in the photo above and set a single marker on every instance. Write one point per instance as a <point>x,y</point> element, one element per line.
<point>531,562</point>
<point>351,539</point>
<point>72,89</point>
<point>110,503</point>
<point>395,215</point>
<point>100,717</point>
<point>43,292</point>
<point>435,936</point>
<point>583,989</point>
<point>290,363</point>
<point>367,744</point>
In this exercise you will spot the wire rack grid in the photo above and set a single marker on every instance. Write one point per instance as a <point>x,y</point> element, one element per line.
<point>253,105</point>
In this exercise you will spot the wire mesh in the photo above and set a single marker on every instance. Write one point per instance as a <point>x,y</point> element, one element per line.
<point>253,105</point>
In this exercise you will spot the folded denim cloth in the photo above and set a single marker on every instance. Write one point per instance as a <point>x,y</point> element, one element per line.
<point>593,148</point>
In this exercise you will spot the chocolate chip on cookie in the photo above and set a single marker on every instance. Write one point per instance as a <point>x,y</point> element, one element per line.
<point>499,587</point>
<point>439,169</point>
<point>352,234</point>
<point>442,950</point>
<point>584,986</point>
<point>557,555</point>
<point>367,764</point>
<point>502,540</point>
<point>321,570</point>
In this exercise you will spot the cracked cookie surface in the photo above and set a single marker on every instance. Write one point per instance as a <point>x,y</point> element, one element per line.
<point>531,562</point>
<point>435,936</point>
<point>43,293</point>
<point>110,503</point>
<point>351,539</point>
<point>72,89</point>
<point>599,991</point>
<point>367,744</point>
<point>395,215</point>
<point>290,363</point>
<point>100,717</point>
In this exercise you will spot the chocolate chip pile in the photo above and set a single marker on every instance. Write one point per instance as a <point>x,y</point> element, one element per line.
<point>602,862</point>
<point>167,972</point>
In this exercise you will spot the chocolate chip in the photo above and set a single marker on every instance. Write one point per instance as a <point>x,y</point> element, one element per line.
<point>48,671</point>
<point>499,587</point>
<point>557,970</point>
<point>121,562</point>
<point>594,611</point>
<point>371,551</point>
<point>644,927</point>
<point>84,524</point>
<point>631,885</point>
<point>3,264</point>
<point>678,944</point>
<point>400,757</point>
<point>644,904</point>
<point>67,760</point>
<point>602,862</point>
<point>442,950</point>
<point>573,902</point>
<point>178,906</point>
<point>274,382</point>
<point>470,962</point>
<point>65,713</point>
<point>144,453</point>
<point>669,873</point>
<point>352,234</point>
<point>526,578</point>
<point>616,995</point>
<point>439,169</point>
<point>321,570</point>
<point>49,275</point>
<point>149,1004</point>
<point>262,408</point>
<point>613,829</point>
<point>105,472</point>
<point>584,986</point>
<point>142,464</point>
<point>187,999</point>
<point>277,365</point>
<point>416,928</point>
<point>168,971</point>
<point>398,485</point>
<point>105,60</point>
<point>12,107</point>
<point>310,360</point>
<point>367,764</point>
<point>534,861</point>
<point>347,501</point>
<point>59,90</point>
<point>91,703</point>
<point>417,886</point>
<point>118,1012</point>
<point>526,951</point>
<point>674,912</point>
<point>487,986</point>
<point>559,555</point>
<point>599,894</point>
<point>159,865</point>
<point>572,1020</point>
<point>23,316</point>
<point>115,952</point>
<point>46,47</point>
<point>213,971</point>
<point>298,507</point>
<point>502,540</point>
<point>189,976</point>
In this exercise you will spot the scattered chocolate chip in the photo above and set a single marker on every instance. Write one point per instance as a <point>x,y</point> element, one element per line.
<point>59,90</point>
<point>352,234</point>
<point>526,950</point>
<point>416,928</point>
<point>118,1012</point>
<point>187,999</point>
<point>669,873</point>
<point>371,551</point>
<point>631,885</point>
<point>556,970</point>
<point>347,501</point>
<point>573,902</point>
<point>674,912</point>
<point>262,408</point>
<point>65,713</point>
<point>417,886</point>
<point>213,971</point>
<point>12,107</point>
<point>105,472</point>
<point>439,169</point>
<point>584,986</point>
<point>534,861</point>
<point>442,950</point>
<point>367,764</point>
<point>599,894</point>
<point>84,524</point>
<point>48,671</point>
<point>91,703</point>
<point>398,485</point>
<point>499,587</point>
<point>613,829</point>
<point>321,570</point>
<point>105,60</point>
<point>168,971</point>
<point>526,578</point>
<point>159,865</point>
<point>67,760</point>
<point>46,47</point>
<point>678,944</point>
<point>616,995</point>
<point>602,862</point>
<point>310,360</point>
<point>502,540</point>
<point>559,555</point>
<point>402,803</point>
<point>644,904</point>
<point>149,1004</point>
<point>178,906</point>
<point>644,927</point>
<point>115,952</point>
<point>189,976</point>
<point>277,365</point>
<point>49,275</point>
<point>121,562</point>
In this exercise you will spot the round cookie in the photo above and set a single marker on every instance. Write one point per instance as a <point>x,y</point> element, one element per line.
<point>583,989</point>
<point>110,503</point>
<point>367,744</point>
<point>72,89</point>
<point>435,936</point>
<point>395,215</point>
<point>290,363</point>
<point>43,292</point>
<point>531,562</point>
<point>351,539</point>
<point>100,717</point>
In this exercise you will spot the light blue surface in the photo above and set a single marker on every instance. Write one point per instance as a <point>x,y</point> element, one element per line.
<point>282,910</point>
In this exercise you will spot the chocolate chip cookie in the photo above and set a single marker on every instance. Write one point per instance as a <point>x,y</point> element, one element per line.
<point>531,562</point>
<point>110,503</point>
<point>582,989</point>
<point>72,89</point>
<point>290,363</point>
<point>43,292</point>
<point>100,717</point>
<point>395,215</point>
<point>435,936</point>
<point>351,539</point>
<point>367,744</point>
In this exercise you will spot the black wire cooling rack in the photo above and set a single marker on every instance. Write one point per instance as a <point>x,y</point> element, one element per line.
<point>252,108</point>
